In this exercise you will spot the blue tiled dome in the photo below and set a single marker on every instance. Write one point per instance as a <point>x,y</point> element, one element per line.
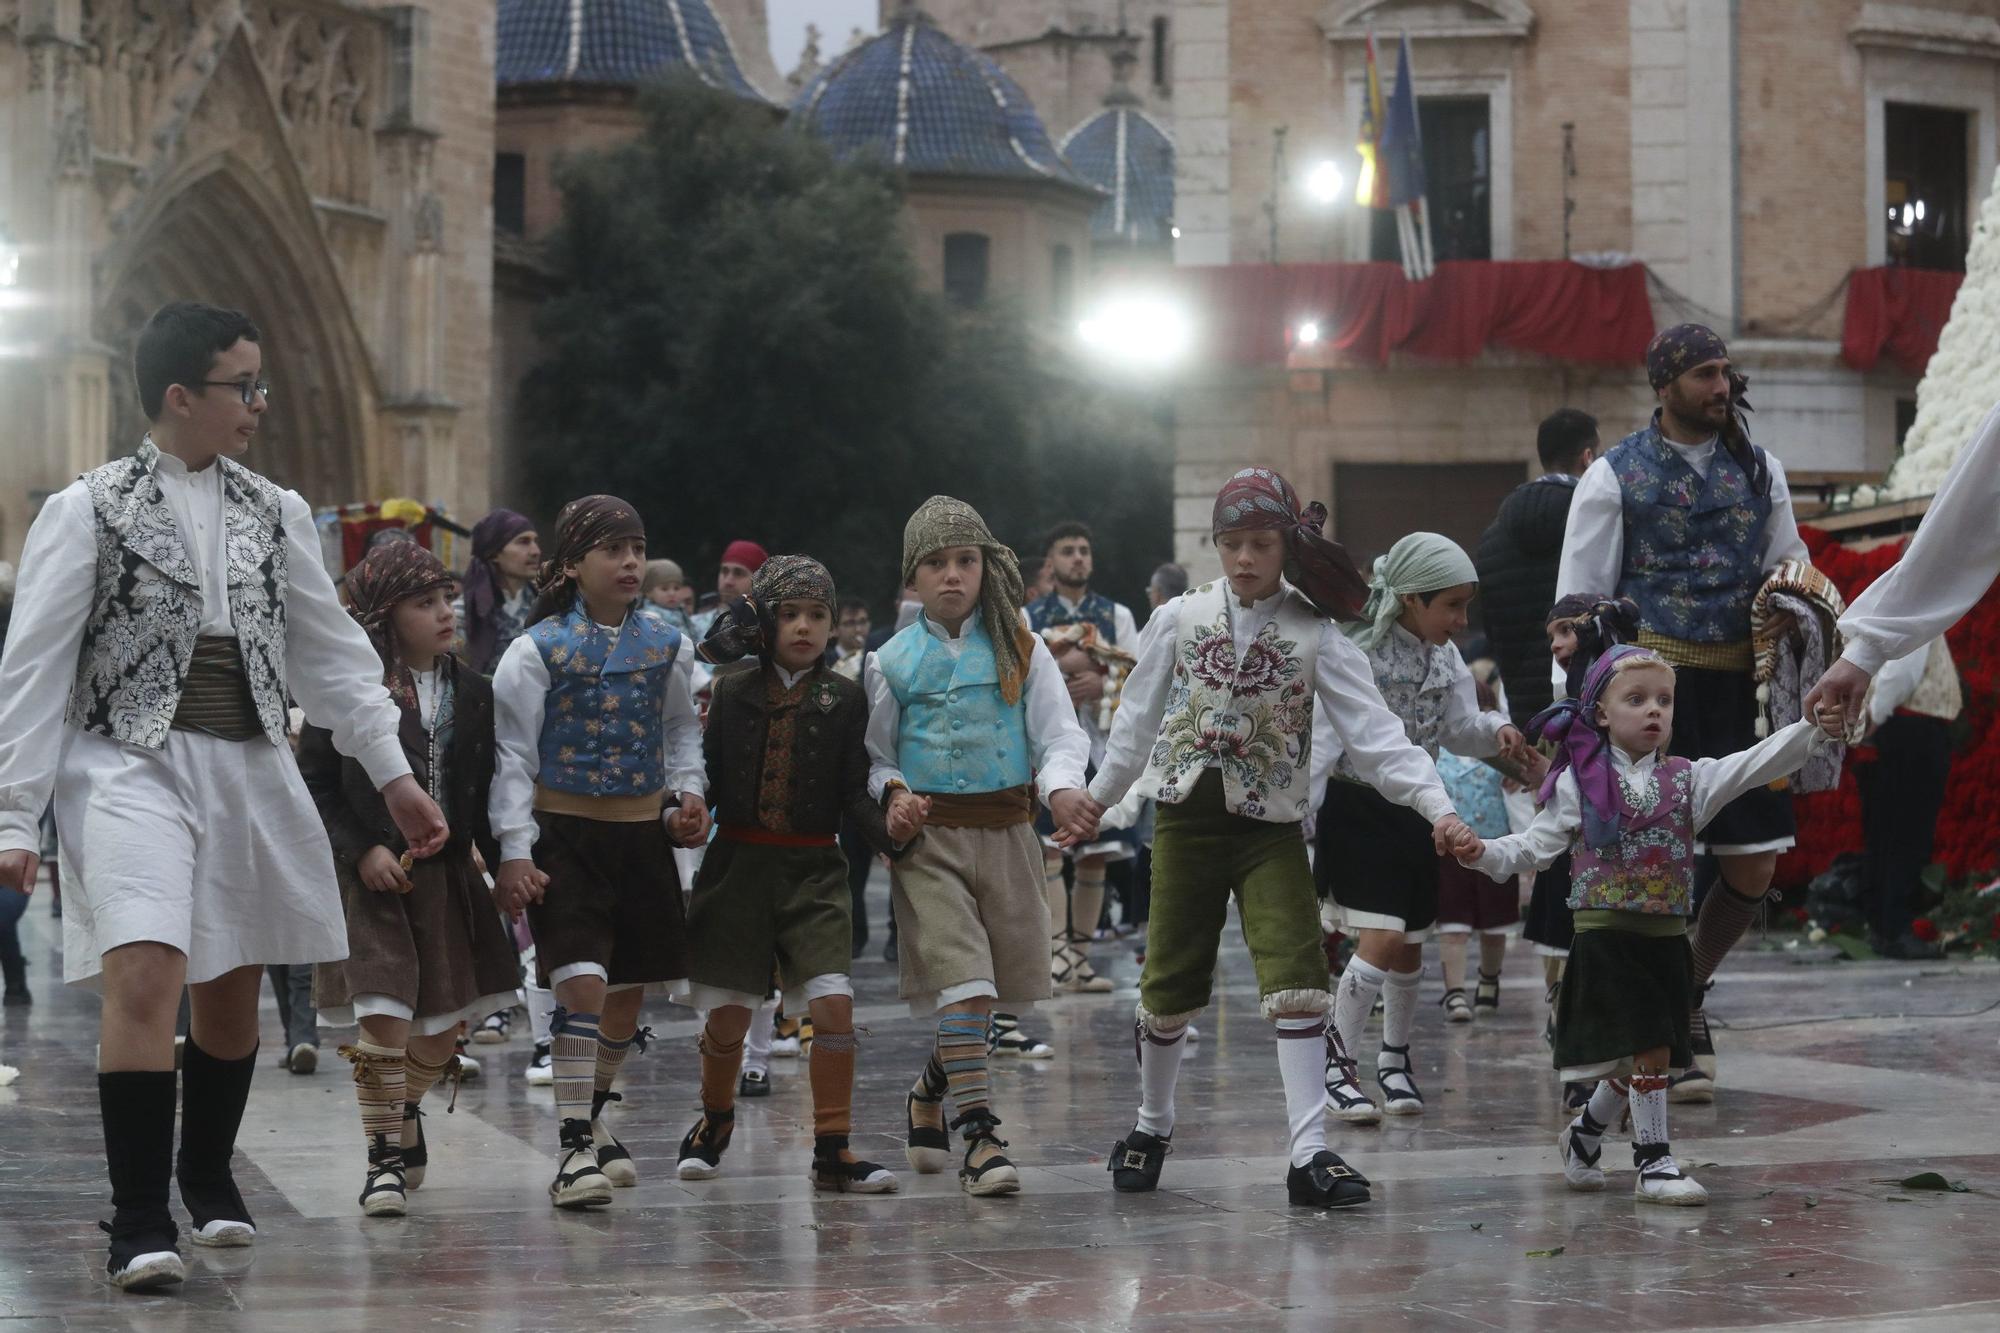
<point>614,43</point>
<point>1123,151</point>
<point>926,104</point>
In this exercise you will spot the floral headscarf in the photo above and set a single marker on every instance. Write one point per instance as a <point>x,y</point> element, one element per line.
<point>393,572</point>
<point>1257,499</point>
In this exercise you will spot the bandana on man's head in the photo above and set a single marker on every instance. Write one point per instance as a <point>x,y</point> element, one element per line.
<point>1257,499</point>
<point>941,522</point>
<point>745,553</point>
<point>584,524</point>
<point>392,573</point>
<point>1583,746</point>
<point>1675,351</point>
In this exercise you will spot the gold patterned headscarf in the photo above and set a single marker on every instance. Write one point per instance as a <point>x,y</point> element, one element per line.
<point>942,522</point>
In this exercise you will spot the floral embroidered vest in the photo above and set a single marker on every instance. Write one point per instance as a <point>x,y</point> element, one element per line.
<point>1693,547</point>
<point>1415,679</point>
<point>601,729</point>
<point>147,608</point>
<point>957,736</point>
<point>1252,719</point>
<point>1095,609</point>
<point>1651,868</point>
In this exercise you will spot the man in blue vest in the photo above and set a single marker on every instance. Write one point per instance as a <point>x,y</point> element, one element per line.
<point>1074,909</point>
<point>1687,517</point>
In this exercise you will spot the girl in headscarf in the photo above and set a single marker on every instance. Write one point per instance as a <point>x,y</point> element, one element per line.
<point>599,767</point>
<point>1629,815</point>
<point>1376,860</point>
<point>425,947</point>
<point>1216,722</point>
<point>499,586</point>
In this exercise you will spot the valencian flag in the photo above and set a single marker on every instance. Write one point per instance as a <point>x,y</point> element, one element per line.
<point>1400,170</point>
<point>1370,190</point>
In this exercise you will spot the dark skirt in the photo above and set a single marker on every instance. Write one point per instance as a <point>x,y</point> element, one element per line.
<point>1470,898</point>
<point>1549,922</point>
<point>1715,714</point>
<point>613,898</point>
<point>1623,993</point>
<point>1375,856</point>
<point>436,948</point>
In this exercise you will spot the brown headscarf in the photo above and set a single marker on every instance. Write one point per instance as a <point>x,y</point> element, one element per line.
<point>393,572</point>
<point>1257,498</point>
<point>941,522</point>
<point>750,624</point>
<point>584,524</point>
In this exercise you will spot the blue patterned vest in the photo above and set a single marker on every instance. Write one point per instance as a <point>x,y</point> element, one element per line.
<point>958,736</point>
<point>1095,609</point>
<point>601,730</point>
<point>1651,868</point>
<point>1693,547</point>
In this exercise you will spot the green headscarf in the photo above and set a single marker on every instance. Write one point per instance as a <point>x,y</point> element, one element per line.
<point>1420,562</point>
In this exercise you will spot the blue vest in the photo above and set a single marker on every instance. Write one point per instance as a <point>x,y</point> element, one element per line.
<point>1095,609</point>
<point>1693,547</point>
<point>601,731</point>
<point>958,736</point>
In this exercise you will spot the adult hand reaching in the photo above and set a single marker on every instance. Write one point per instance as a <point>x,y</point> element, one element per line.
<point>1840,693</point>
<point>18,870</point>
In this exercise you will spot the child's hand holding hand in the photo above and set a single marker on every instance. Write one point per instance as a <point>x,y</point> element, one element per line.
<point>907,813</point>
<point>688,826</point>
<point>518,884</point>
<point>1513,745</point>
<point>1075,816</point>
<point>1453,838</point>
<point>381,871</point>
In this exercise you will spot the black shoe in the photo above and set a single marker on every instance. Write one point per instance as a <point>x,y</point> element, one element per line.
<point>416,1156</point>
<point>1136,1161</point>
<point>143,1254</point>
<point>1487,994</point>
<point>15,970</point>
<point>1327,1183</point>
<point>754,1083</point>
<point>383,1193</point>
<point>703,1146</point>
<point>830,1171</point>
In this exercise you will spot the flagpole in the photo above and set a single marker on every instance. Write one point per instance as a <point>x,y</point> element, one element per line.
<point>1420,210</point>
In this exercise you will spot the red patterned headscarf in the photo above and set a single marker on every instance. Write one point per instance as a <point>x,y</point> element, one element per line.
<point>1258,499</point>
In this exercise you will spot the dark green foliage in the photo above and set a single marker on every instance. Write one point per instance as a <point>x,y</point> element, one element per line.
<point>740,346</point>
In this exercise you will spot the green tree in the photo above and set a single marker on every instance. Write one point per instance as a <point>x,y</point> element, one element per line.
<point>739,344</point>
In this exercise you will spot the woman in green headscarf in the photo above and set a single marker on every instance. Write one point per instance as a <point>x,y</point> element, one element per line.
<point>1375,859</point>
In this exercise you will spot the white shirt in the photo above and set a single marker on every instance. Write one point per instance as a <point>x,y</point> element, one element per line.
<point>1717,782</point>
<point>1949,565</point>
<point>1344,694</point>
<point>520,696</point>
<point>331,669</point>
<point>1593,553</point>
<point>1060,750</point>
<point>1897,681</point>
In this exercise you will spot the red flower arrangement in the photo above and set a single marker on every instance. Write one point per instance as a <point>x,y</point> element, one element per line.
<point>1968,833</point>
<point>1924,930</point>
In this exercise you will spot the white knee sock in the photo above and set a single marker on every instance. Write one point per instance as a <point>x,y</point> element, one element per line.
<point>1159,1069</point>
<point>1302,1065</point>
<point>1359,985</point>
<point>757,1042</point>
<point>1399,1007</point>
<point>1649,1109</point>
<point>1606,1099</point>
<point>541,1006</point>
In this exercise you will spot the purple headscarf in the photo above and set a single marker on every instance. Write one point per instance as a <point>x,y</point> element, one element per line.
<point>490,536</point>
<point>1582,746</point>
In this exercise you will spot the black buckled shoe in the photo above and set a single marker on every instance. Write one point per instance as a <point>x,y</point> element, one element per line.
<point>1327,1182</point>
<point>1136,1161</point>
<point>703,1146</point>
<point>831,1171</point>
<point>143,1257</point>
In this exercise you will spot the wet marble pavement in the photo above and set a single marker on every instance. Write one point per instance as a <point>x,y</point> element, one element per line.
<point>1838,1081</point>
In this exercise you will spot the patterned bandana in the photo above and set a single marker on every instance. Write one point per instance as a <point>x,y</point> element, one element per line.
<point>391,573</point>
<point>749,624</point>
<point>1420,562</point>
<point>1599,623</point>
<point>1581,745</point>
<point>941,522</point>
<point>482,582</point>
<point>1259,500</point>
<point>1675,351</point>
<point>583,525</point>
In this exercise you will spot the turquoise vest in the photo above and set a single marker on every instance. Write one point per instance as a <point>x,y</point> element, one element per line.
<point>601,731</point>
<point>958,736</point>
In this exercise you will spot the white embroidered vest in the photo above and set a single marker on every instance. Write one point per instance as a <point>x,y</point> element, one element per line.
<point>146,610</point>
<point>1251,719</point>
<point>1415,679</point>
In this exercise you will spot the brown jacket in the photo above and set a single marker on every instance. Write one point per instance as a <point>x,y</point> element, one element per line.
<point>829,758</point>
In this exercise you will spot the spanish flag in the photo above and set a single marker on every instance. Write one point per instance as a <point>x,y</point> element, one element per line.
<point>1370,188</point>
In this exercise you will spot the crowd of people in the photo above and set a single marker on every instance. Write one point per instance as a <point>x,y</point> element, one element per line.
<point>561,776</point>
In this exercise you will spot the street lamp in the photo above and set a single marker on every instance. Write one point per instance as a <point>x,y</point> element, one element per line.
<point>1137,331</point>
<point>1325,182</point>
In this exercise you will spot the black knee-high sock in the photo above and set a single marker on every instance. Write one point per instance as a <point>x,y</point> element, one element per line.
<point>213,1094</point>
<point>138,1110</point>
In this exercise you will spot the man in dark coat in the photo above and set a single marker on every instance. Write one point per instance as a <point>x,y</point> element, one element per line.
<point>1518,555</point>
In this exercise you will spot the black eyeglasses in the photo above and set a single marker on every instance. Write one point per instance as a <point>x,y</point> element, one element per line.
<point>247,388</point>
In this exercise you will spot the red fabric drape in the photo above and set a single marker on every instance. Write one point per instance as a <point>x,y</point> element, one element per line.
<point>1899,311</point>
<point>1968,829</point>
<point>355,532</point>
<point>1247,313</point>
